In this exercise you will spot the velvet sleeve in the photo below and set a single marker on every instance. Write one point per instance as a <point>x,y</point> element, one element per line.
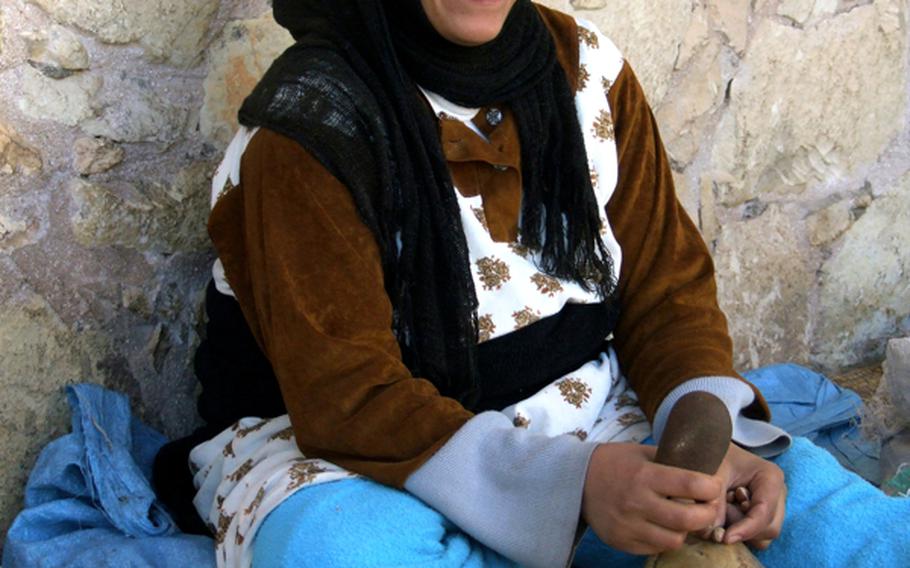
<point>671,328</point>
<point>307,274</point>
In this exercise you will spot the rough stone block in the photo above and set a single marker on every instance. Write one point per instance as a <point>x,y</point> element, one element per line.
<point>763,286</point>
<point>731,17</point>
<point>698,94</point>
<point>237,61</point>
<point>829,223</point>
<point>864,291</point>
<point>897,376</point>
<point>169,30</point>
<point>886,416</point>
<point>146,217</point>
<point>16,156</point>
<point>801,11</point>
<point>649,38</point>
<point>784,131</point>
<point>95,155</point>
<point>67,101</point>
<point>19,222</point>
<point>588,4</point>
<point>56,52</point>
<point>134,112</point>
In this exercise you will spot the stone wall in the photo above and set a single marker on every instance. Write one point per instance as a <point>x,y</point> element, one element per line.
<point>785,121</point>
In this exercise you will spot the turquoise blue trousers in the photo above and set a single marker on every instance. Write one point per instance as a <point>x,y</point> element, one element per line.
<point>834,519</point>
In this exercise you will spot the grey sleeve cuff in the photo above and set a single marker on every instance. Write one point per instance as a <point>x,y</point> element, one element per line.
<point>516,492</point>
<point>759,437</point>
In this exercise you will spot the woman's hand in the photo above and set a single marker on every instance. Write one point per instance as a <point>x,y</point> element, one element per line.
<point>762,520</point>
<point>631,503</point>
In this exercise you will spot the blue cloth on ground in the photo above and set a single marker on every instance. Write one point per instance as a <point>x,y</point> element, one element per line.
<point>358,523</point>
<point>88,500</point>
<point>808,404</point>
<point>835,518</point>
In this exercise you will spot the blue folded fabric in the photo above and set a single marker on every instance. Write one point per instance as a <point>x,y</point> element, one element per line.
<point>835,518</point>
<point>808,404</point>
<point>88,500</point>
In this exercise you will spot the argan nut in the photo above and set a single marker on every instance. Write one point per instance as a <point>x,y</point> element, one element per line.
<point>718,534</point>
<point>742,494</point>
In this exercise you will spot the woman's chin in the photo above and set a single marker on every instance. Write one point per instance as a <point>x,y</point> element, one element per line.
<point>468,22</point>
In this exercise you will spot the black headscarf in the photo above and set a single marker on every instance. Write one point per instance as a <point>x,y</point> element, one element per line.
<point>347,91</point>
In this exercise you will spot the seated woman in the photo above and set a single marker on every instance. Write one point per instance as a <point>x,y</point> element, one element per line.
<point>456,291</point>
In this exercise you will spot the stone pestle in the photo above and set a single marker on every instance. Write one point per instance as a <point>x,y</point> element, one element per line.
<point>696,437</point>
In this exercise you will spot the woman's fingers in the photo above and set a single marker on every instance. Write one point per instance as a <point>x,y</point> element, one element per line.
<point>765,538</point>
<point>679,516</point>
<point>759,492</point>
<point>765,514</point>
<point>659,538</point>
<point>625,491</point>
<point>683,484</point>
<point>734,514</point>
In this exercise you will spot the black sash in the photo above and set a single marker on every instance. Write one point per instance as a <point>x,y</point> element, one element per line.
<point>516,365</point>
<point>237,379</point>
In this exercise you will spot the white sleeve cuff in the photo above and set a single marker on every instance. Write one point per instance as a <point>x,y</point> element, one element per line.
<point>759,437</point>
